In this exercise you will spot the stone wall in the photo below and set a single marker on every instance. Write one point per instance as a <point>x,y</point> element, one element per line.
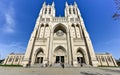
<point>105,60</point>
<point>14,59</point>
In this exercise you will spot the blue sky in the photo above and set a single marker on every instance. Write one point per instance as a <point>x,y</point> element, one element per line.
<point>18,17</point>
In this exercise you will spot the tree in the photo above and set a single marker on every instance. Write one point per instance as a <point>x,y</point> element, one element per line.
<point>116,15</point>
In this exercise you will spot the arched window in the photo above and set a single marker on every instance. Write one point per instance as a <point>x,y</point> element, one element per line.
<point>42,31</point>
<point>45,10</point>
<point>17,58</point>
<point>10,59</point>
<point>49,10</point>
<point>39,51</point>
<point>102,58</point>
<point>69,10</point>
<point>109,59</point>
<point>39,56</point>
<point>77,31</point>
<point>47,25</point>
<point>73,10</point>
<point>72,31</point>
<point>47,31</point>
<point>79,52</point>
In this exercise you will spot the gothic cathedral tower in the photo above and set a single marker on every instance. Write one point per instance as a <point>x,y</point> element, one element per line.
<point>56,40</point>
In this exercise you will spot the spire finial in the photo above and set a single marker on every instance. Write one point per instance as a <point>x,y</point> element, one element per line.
<point>66,3</point>
<point>75,3</point>
<point>53,4</point>
<point>44,4</point>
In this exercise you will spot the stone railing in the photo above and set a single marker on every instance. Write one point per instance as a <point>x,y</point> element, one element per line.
<point>60,19</point>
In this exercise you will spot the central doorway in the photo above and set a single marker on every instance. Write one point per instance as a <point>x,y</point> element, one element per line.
<point>80,60</point>
<point>59,55</point>
<point>59,59</point>
<point>39,60</point>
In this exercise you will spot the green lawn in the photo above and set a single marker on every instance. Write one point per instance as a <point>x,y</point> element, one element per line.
<point>110,66</point>
<point>11,65</point>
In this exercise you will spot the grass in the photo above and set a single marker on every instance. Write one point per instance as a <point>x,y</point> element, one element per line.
<point>11,65</point>
<point>110,66</point>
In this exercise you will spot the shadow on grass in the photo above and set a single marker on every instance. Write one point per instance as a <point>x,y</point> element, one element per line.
<point>86,73</point>
<point>11,65</point>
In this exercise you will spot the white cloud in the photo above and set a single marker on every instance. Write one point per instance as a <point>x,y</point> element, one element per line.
<point>6,49</point>
<point>8,12</point>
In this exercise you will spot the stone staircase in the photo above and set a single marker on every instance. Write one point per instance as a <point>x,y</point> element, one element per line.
<point>58,65</point>
<point>37,66</point>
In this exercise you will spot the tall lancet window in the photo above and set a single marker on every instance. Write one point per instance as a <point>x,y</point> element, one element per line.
<point>49,10</point>
<point>77,31</point>
<point>38,32</point>
<point>77,13</point>
<point>45,10</point>
<point>47,31</point>
<point>42,31</point>
<point>69,10</point>
<point>72,31</point>
<point>73,10</point>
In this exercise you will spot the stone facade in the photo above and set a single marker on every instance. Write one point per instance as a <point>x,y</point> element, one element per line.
<point>60,39</point>
<point>14,59</point>
<point>106,60</point>
<point>57,40</point>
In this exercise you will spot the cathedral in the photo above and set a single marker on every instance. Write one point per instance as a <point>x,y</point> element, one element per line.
<point>57,40</point>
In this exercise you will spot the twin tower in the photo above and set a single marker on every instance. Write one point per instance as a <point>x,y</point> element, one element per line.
<point>57,40</point>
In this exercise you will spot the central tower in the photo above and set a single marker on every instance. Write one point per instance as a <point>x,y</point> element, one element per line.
<point>56,40</point>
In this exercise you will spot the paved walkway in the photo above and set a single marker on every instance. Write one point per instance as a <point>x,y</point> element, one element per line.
<point>58,71</point>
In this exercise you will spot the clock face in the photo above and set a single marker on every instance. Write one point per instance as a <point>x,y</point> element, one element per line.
<point>60,33</point>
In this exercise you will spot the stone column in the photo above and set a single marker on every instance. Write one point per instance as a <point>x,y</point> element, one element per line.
<point>73,56</point>
<point>5,61</point>
<point>106,61</point>
<point>13,60</point>
<point>51,48</point>
<point>69,49</point>
<point>47,52</point>
<point>19,61</point>
<point>88,42</point>
<point>81,34</point>
<point>29,49</point>
<point>114,62</point>
<point>8,60</point>
<point>100,60</point>
<point>90,49</point>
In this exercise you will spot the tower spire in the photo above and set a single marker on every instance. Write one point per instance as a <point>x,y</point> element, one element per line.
<point>66,3</point>
<point>53,4</point>
<point>44,4</point>
<point>75,4</point>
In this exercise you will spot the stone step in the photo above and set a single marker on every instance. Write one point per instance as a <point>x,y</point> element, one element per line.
<point>37,65</point>
<point>58,65</point>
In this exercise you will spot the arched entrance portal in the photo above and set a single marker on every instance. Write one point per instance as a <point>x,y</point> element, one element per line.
<point>60,53</point>
<point>39,56</point>
<point>80,56</point>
